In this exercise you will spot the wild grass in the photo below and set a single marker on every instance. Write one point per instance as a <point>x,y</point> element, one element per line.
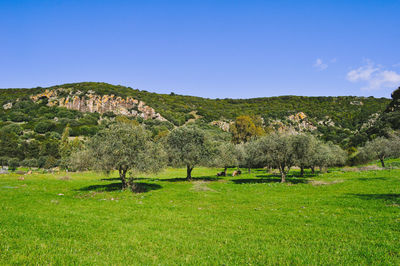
<point>84,218</point>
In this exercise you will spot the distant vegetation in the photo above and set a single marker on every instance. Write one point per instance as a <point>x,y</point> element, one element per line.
<point>37,134</point>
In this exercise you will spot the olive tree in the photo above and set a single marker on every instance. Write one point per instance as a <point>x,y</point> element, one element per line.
<point>277,151</point>
<point>380,148</point>
<point>189,146</point>
<point>249,155</point>
<point>304,148</point>
<point>327,154</point>
<point>125,147</point>
<point>227,155</point>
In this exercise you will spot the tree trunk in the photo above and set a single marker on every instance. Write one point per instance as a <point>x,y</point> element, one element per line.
<point>189,172</point>
<point>122,174</point>
<point>382,162</point>
<point>249,170</point>
<point>301,171</point>
<point>312,169</point>
<point>225,170</point>
<point>283,177</point>
<point>283,174</point>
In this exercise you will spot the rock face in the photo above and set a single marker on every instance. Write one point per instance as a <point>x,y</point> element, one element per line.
<point>92,103</point>
<point>225,126</point>
<point>7,106</point>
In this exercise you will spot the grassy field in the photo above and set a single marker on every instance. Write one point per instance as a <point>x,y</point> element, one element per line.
<point>350,217</point>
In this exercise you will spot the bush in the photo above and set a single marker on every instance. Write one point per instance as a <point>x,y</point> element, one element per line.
<point>30,163</point>
<point>45,126</point>
<point>50,162</point>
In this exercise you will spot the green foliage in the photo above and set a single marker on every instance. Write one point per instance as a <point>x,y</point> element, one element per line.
<point>189,146</point>
<point>4,161</point>
<point>30,163</point>
<point>13,163</point>
<point>244,129</point>
<point>380,148</point>
<point>44,126</point>
<point>125,147</point>
<point>227,155</point>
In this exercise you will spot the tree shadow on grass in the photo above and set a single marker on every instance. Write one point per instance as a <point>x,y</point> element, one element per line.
<point>139,187</point>
<point>387,197</point>
<point>197,178</point>
<point>267,180</point>
<point>110,179</point>
<point>180,179</point>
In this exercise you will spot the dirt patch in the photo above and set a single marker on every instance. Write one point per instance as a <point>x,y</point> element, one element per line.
<point>362,168</point>
<point>65,178</point>
<point>324,183</point>
<point>201,186</point>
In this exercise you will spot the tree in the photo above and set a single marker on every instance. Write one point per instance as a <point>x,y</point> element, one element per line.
<point>189,146</point>
<point>13,163</point>
<point>125,147</point>
<point>327,154</point>
<point>276,150</point>
<point>304,148</point>
<point>67,147</point>
<point>227,155</point>
<point>4,161</point>
<point>30,163</point>
<point>244,129</point>
<point>249,155</point>
<point>380,148</point>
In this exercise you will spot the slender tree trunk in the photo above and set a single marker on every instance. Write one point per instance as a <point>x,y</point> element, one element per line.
<point>122,174</point>
<point>382,162</point>
<point>225,170</point>
<point>189,172</point>
<point>249,170</point>
<point>302,171</point>
<point>312,169</point>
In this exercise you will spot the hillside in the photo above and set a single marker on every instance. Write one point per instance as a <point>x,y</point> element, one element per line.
<point>41,114</point>
<point>346,111</point>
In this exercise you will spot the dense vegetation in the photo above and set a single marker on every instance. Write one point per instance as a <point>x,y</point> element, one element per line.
<point>33,130</point>
<point>347,111</point>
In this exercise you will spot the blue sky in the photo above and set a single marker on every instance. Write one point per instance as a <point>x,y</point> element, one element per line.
<point>216,49</point>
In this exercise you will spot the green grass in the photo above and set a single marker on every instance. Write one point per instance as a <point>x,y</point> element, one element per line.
<point>340,218</point>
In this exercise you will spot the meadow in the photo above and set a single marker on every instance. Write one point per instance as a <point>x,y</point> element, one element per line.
<point>341,217</point>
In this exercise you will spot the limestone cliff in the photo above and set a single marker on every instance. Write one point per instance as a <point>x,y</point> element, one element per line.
<point>91,102</point>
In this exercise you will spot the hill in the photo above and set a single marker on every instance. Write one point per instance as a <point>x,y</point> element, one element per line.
<point>345,111</point>
<point>43,113</point>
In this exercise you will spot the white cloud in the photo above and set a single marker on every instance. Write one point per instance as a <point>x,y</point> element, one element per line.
<point>374,77</point>
<point>320,65</point>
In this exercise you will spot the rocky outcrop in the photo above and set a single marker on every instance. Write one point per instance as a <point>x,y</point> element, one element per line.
<point>225,126</point>
<point>91,102</point>
<point>7,106</point>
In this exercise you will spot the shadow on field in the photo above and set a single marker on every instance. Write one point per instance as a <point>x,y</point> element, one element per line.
<point>181,179</point>
<point>392,197</point>
<point>140,187</point>
<point>110,179</point>
<point>198,178</point>
<point>266,180</point>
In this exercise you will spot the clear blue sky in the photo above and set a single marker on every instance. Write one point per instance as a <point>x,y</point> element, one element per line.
<point>235,49</point>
